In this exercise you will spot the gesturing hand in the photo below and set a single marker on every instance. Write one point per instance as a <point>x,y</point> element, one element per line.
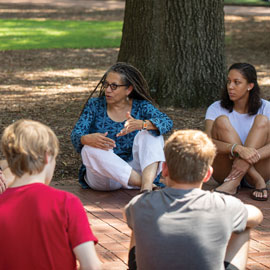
<point>131,125</point>
<point>251,155</point>
<point>99,140</point>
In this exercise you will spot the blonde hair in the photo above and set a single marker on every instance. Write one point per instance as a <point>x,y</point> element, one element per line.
<point>25,144</point>
<point>189,153</point>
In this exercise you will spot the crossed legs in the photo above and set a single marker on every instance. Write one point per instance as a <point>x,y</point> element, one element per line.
<point>107,171</point>
<point>257,138</point>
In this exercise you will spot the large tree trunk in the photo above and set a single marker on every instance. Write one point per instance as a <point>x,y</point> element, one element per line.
<point>178,45</point>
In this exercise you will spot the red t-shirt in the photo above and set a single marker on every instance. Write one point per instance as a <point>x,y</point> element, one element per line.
<point>39,227</point>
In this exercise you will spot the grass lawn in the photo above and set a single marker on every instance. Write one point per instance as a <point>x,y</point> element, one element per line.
<point>39,34</point>
<point>247,2</point>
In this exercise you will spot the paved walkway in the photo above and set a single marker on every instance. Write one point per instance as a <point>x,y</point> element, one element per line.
<point>105,209</point>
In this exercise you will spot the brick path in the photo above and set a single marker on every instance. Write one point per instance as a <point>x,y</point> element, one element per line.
<point>104,210</point>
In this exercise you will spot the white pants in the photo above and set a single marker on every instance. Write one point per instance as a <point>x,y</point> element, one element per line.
<point>107,171</point>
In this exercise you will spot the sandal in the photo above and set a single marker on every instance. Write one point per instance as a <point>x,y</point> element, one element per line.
<point>227,193</point>
<point>261,190</point>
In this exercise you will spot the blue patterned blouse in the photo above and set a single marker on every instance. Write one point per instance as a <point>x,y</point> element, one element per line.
<point>94,119</point>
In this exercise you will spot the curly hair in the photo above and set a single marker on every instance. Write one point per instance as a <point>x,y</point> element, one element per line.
<point>254,101</point>
<point>130,76</point>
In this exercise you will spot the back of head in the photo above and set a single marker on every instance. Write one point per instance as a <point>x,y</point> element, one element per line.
<point>189,153</point>
<point>25,144</point>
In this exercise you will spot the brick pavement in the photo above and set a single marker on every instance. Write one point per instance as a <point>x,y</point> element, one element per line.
<point>104,210</point>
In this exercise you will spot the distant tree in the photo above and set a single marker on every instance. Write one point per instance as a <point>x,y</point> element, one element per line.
<point>179,47</point>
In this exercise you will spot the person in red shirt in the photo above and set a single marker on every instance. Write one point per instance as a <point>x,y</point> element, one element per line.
<point>40,227</point>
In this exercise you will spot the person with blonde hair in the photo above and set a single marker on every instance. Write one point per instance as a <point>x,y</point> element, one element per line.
<point>40,227</point>
<point>183,226</point>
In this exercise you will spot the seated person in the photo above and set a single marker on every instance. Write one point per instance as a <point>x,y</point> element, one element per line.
<point>119,133</point>
<point>240,128</point>
<point>40,227</point>
<point>182,226</point>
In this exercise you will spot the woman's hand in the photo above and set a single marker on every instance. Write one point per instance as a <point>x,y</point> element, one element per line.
<point>251,155</point>
<point>98,140</point>
<point>131,125</point>
<point>239,168</point>
<point>3,185</point>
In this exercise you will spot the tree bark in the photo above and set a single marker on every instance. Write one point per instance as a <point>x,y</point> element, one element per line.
<point>178,45</point>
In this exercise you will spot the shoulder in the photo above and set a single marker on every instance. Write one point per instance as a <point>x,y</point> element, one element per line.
<point>94,104</point>
<point>58,195</point>
<point>96,101</point>
<point>216,104</point>
<point>138,201</point>
<point>265,105</point>
<point>214,110</point>
<point>213,201</point>
<point>145,201</point>
<point>226,202</point>
<point>142,103</point>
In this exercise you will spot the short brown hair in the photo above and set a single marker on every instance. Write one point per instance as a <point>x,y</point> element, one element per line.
<point>189,153</point>
<point>25,144</point>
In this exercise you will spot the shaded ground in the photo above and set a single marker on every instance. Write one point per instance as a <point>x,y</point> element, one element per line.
<point>52,85</point>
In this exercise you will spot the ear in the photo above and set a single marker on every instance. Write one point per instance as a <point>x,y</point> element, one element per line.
<point>46,159</point>
<point>250,86</point>
<point>129,90</point>
<point>208,174</point>
<point>165,171</point>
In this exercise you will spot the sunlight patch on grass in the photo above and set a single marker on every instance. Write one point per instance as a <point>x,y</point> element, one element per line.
<point>49,34</point>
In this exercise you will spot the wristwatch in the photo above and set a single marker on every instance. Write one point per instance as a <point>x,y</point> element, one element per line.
<point>144,126</point>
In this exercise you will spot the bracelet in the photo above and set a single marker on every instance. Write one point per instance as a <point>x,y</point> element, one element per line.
<point>144,125</point>
<point>234,145</point>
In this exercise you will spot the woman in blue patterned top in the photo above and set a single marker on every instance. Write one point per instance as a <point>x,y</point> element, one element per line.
<point>119,133</point>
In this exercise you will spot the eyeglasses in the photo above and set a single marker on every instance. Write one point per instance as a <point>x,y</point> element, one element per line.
<point>113,86</point>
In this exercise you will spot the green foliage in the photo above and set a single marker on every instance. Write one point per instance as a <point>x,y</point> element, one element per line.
<point>247,2</point>
<point>49,34</point>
